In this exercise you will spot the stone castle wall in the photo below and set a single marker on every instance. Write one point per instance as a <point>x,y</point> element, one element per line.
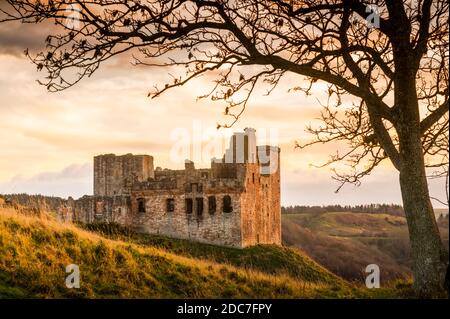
<point>218,228</point>
<point>205,220</point>
<point>113,209</point>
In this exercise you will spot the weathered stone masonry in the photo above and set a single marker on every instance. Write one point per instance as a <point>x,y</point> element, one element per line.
<point>235,203</point>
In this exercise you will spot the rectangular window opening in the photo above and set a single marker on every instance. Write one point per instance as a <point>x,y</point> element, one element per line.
<point>170,205</point>
<point>188,204</point>
<point>212,204</point>
<point>141,205</point>
<point>227,207</point>
<point>199,201</point>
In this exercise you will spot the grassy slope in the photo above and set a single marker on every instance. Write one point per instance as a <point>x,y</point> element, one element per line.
<point>268,259</point>
<point>35,251</point>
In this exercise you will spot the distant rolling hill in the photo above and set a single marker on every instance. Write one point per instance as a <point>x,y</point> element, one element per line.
<point>347,242</point>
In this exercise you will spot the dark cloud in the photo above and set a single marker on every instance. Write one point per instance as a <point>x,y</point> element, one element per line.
<point>16,37</point>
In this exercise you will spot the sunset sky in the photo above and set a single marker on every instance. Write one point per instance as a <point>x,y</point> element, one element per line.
<point>48,140</point>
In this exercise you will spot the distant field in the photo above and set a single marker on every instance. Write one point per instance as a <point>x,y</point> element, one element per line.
<point>346,243</point>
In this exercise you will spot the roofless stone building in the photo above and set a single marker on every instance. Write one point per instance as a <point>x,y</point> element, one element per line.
<point>235,203</point>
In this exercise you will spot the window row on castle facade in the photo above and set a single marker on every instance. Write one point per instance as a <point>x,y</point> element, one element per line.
<point>227,206</point>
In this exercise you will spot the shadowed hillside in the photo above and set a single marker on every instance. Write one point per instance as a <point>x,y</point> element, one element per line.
<point>347,242</point>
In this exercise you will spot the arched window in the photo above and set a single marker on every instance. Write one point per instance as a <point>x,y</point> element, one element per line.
<point>227,207</point>
<point>141,205</point>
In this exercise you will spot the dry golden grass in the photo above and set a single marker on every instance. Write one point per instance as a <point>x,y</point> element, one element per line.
<point>35,251</point>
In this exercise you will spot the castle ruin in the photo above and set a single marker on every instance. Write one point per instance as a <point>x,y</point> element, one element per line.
<point>234,203</point>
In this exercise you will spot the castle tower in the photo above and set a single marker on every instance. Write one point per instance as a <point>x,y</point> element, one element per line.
<point>113,175</point>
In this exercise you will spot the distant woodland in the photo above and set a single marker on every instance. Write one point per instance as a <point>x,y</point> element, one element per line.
<point>391,209</point>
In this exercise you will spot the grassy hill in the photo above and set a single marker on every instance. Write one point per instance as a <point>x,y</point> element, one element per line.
<point>270,259</point>
<point>347,242</point>
<point>34,251</point>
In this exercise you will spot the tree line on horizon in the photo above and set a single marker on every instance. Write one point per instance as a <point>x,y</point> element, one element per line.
<point>391,209</point>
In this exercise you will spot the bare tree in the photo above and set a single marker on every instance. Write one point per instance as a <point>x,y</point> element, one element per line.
<point>391,56</point>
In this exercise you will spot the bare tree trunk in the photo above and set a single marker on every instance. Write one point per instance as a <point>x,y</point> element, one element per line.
<point>427,249</point>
